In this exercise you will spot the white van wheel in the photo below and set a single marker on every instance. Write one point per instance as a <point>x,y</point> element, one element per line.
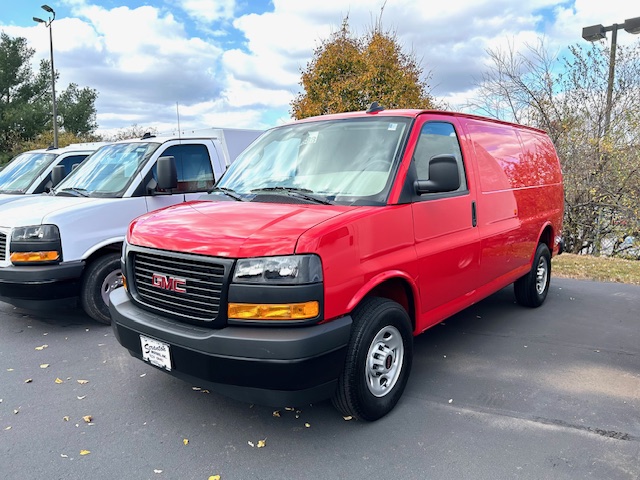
<point>531,290</point>
<point>101,277</point>
<point>378,362</point>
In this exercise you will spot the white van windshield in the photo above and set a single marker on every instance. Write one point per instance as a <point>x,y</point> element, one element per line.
<point>20,173</point>
<point>108,172</point>
<point>348,161</point>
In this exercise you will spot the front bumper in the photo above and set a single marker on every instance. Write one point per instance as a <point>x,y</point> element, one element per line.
<point>41,282</point>
<point>275,366</point>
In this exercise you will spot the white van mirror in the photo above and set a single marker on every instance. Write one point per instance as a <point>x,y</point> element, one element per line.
<point>167,173</point>
<point>57,174</point>
<point>443,176</point>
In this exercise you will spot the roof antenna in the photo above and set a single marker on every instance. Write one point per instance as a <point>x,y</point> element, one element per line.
<point>178,115</point>
<point>374,108</point>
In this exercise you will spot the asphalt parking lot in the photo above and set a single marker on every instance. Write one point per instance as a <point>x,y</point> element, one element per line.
<point>496,392</point>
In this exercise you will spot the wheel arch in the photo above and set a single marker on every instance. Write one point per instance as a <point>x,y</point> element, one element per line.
<point>114,246</point>
<point>394,285</point>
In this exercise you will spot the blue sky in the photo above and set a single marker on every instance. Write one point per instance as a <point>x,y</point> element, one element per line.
<point>229,63</point>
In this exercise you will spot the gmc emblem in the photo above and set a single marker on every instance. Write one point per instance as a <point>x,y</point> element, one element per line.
<point>166,282</point>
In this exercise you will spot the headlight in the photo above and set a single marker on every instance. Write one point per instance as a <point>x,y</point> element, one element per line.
<point>285,270</point>
<point>35,233</point>
<point>35,244</point>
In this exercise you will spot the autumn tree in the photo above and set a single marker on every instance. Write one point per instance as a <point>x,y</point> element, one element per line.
<point>567,98</point>
<point>348,73</point>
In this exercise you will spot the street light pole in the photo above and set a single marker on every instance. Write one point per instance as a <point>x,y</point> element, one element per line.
<point>598,32</point>
<point>47,24</point>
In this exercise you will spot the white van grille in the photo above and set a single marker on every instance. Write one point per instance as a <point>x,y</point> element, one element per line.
<point>3,247</point>
<point>187,287</point>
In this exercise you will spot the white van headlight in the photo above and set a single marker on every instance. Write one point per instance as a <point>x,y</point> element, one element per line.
<point>35,244</point>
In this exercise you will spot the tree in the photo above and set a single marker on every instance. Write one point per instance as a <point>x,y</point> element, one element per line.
<point>567,98</point>
<point>134,131</point>
<point>77,109</point>
<point>26,102</point>
<point>347,73</point>
<point>23,103</point>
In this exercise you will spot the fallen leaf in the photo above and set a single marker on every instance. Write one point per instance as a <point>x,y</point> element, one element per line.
<point>308,425</point>
<point>65,418</point>
<point>276,413</point>
<point>262,443</point>
<point>185,441</point>
<point>42,347</point>
<point>87,418</point>
<point>214,477</point>
<point>28,380</point>
<point>83,382</point>
<point>59,380</point>
<point>44,365</point>
<point>82,397</point>
<point>206,391</point>
<point>84,452</point>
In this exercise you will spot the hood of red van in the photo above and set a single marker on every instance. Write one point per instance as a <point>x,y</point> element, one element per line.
<point>229,229</point>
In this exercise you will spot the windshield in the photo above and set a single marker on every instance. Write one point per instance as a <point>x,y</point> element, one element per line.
<point>108,171</point>
<point>349,161</point>
<point>20,173</point>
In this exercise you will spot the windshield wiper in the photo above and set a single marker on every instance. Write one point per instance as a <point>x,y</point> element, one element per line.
<point>228,192</point>
<point>75,192</point>
<point>304,193</point>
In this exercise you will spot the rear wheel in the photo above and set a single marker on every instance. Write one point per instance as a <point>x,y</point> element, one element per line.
<point>378,362</point>
<point>531,290</point>
<point>102,276</point>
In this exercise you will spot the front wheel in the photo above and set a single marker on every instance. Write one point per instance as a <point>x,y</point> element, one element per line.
<point>378,361</point>
<point>531,290</point>
<point>101,277</point>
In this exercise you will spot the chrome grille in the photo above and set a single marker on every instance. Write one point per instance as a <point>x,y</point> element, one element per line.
<point>3,246</point>
<point>202,291</point>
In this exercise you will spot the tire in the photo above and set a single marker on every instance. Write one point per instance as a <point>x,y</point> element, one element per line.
<point>101,277</point>
<point>531,290</point>
<point>371,384</point>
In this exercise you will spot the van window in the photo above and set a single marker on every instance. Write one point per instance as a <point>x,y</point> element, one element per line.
<point>438,138</point>
<point>72,160</point>
<point>193,164</point>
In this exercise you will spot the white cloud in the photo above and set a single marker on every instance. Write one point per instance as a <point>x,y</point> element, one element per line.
<point>243,71</point>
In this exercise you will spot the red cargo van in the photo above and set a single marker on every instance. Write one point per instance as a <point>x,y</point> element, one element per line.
<point>331,242</point>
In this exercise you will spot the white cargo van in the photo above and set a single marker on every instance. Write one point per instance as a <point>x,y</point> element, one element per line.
<point>30,172</point>
<point>68,244</point>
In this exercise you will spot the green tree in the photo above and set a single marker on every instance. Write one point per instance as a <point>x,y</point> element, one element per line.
<point>26,104</point>
<point>347,73</point>
<point>77,108</point>
<point>23,102</point>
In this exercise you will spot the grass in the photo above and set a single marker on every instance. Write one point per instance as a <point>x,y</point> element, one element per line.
<point>602,269</point>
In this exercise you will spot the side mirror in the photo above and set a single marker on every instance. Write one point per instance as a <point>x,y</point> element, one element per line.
<point>443,176</point>
<point>57,174</point>
<point>167,173</point>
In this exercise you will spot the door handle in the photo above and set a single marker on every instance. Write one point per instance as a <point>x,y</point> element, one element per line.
<point>474,218</point>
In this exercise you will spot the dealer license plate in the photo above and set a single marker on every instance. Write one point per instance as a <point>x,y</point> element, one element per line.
<point>155,352</point>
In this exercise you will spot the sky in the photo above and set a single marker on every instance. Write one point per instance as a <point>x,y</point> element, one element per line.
<point>238,63</point>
